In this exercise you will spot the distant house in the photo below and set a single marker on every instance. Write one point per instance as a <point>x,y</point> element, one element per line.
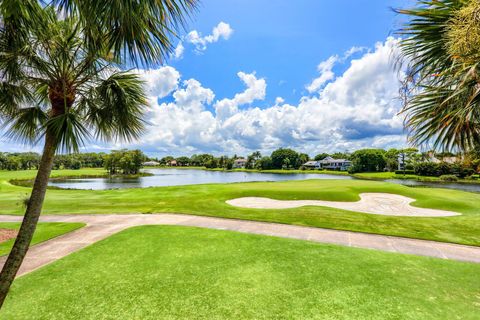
<point>173,163</point>
<point>329,164</point>
<point>312,165</point>
<point>239,163</point>
<point>450,160</point>
<point>335,164</point>
<point>151,163</point>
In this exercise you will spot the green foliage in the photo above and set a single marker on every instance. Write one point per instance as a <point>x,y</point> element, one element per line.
<point>285,159</point>
<point>321,156</point>
<point>124,161</point>
<point>264,163</point>
<point>463,33</point>
<point>183,161</point>
<point>252,159</point>
<point>441,96</point>
<point>432,169</point>
<point>368,160</point>
<point>449,178</point>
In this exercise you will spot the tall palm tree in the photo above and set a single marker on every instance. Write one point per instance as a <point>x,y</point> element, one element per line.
<point>61,80</point>
<point>441,46</point>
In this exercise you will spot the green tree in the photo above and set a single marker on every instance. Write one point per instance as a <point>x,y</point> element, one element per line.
<point>302,158</point>
<point>321,156</point>
<point>441,46</point>
<point>391,159</point>
<point>67,72</point>
<point>368,160</point>
<point>284,157</point>
<point>252,159</point>
<point>183,161</point>
<point>264,163</point>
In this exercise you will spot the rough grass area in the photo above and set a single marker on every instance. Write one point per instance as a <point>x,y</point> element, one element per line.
<point>159,272</point>
<point>44,232</point>
<point>209,200</point>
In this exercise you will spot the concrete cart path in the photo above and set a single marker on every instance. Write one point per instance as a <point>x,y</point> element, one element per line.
<point>99,227</point>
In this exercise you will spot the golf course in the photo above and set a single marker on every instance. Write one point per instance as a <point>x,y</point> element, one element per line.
<point>210,200</point>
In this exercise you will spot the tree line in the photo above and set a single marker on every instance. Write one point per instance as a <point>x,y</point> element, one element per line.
<point>363,160</point>
<point>116,162</point>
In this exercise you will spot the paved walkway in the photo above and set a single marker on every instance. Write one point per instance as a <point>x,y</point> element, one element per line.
<point>101,226</point>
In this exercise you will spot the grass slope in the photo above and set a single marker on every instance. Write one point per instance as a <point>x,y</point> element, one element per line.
<point>209,200</point>
<point>44,232</point>
<point>158,272</point>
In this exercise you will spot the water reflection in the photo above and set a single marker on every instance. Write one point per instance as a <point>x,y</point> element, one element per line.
<point>178,177</point>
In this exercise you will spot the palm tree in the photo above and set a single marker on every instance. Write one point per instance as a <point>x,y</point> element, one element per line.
<point>61,80</point>
<point>441,47</point>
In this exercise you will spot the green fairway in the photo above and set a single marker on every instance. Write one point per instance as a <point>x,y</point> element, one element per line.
<point>210,200</point>
<point>44,232</point>
<point>159,272</point>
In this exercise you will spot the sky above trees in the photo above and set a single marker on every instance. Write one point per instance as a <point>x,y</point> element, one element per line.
<point>313,75</point>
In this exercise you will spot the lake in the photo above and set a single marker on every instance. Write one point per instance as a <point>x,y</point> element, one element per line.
<point>472,187</point>
<point>180,177</point>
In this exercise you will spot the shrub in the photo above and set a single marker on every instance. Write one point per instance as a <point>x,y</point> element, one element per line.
<point>449,178</point>
<point>428,169</point>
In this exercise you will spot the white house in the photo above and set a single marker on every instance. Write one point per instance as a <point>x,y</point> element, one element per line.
<point>151,163</point>
<point>335,164</point>
<point>329,163</point>
<point>312,165</point>
<point>239,163</point>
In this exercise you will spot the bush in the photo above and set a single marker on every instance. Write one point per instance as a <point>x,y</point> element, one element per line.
<point>428,169</point>
<point>404,172</point>
<point>449,178</point>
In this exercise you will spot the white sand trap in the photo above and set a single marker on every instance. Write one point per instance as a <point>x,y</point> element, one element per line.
<point>374,203</point>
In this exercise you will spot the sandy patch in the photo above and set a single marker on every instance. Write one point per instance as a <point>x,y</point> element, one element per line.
<point>7,234</point>
<point>373,203</point>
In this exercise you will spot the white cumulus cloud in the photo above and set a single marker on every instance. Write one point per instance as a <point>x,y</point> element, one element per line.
<point>352,110</point>
<point>160,82</point>
<point>221,31</point>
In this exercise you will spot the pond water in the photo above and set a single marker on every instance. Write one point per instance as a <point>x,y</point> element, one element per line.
<point>179,177</point>
<point>447,185</point>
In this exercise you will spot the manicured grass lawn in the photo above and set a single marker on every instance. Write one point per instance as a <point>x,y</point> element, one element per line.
<point>210,200</point>
<point>159,272</point>
<point>44,232</point>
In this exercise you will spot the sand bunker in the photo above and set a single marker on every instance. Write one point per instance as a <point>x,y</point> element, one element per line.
<point>373,203</point>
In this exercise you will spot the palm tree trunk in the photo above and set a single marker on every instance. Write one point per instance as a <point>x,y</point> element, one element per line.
<point>29,223</point>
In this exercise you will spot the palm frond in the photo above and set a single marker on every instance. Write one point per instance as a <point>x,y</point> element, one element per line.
<point>26,125</point>
<point>441,98</point>
<point>138,30</point>
<point>69,131</point>
<point>115,107</point>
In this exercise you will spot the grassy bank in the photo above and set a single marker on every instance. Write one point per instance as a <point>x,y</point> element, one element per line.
<point>44,232</point>
<point>209,200</point>
<point>185,273</point>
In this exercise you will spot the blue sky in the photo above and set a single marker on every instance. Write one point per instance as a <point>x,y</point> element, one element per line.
<point>313,75</point>
<point>283,41</point>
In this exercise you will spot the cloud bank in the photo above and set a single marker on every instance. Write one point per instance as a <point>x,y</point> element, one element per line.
<point>341,112</point>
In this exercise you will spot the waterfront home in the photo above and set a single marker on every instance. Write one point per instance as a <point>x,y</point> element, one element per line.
<point>312,165</point>
<point>335,164</point>
<point>151,163</point>
<point>239,163</point>
<point>329,163</point>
